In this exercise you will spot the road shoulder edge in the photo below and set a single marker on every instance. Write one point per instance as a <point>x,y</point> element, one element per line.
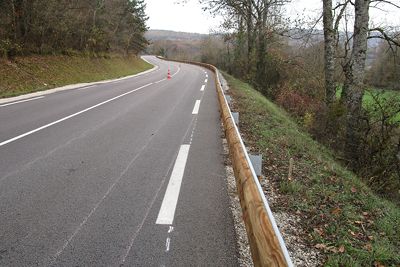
<point>75,86</point>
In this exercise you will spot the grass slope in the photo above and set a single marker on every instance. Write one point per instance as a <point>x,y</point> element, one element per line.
<point>339,214</point>
<point>36,73</point>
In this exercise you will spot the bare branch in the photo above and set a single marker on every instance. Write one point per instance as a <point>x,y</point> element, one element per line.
<point>384,2</point>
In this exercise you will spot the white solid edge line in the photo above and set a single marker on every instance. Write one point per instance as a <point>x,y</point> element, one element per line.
<point>202,87</point>
<point>142,57</point>
<point>21,101</point>
<point>168,206</point>
<point>179,69</point>
<point>260,190</point>
<point>160,81</point>
<point>70,116</point>
<point>77,85</point>
<point>196,107</point>
<point>86,87</point>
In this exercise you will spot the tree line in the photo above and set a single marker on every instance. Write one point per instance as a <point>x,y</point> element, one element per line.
<point>255,26</point>
<point>324,80</point>
<point>54,26</point>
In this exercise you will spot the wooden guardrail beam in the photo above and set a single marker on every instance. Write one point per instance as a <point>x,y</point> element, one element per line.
<point>266,243</point>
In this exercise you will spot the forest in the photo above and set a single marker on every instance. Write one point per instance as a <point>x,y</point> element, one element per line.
<point>68,26</point>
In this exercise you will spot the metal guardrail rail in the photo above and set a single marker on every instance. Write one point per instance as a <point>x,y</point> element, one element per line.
<point>266,243</point>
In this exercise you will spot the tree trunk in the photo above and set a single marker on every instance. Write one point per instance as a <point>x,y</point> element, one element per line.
<point>228,65</point>
<point>355,81</point>
<point>329,53</point>
<point>261,51</point>
<point>260,75</point>
<point>14,20</point>
<point>238,51</point>
<point>250,40</point>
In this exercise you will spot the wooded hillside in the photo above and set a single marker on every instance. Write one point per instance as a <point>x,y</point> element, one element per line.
<point>49,26</point>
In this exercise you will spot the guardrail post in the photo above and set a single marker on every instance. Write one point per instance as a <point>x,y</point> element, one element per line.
<point>235,116</point>
<point>256,161</point>
<point>229,99</point>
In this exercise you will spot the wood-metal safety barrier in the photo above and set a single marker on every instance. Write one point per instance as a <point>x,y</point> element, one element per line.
<point>266,242</point>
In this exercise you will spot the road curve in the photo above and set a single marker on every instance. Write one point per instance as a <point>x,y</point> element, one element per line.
<point>125,173</point>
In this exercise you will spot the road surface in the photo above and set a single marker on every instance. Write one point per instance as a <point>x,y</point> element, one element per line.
<point>127,173</point>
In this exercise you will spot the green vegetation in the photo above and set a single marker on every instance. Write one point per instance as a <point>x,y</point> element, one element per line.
<point>372,96</point>
<point>368,99</point>
<point>341,216</point>
<point>383,94</point>
<point>59,26</point>
<point>36,73</point>
<point>45,44</point>
<point>299,71</point>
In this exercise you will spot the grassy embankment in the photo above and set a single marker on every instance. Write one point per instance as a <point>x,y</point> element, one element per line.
<point>36,73</point>
<point>340,215</point>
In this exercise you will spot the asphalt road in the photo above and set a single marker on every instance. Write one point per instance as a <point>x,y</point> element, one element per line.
<point>124,173</point>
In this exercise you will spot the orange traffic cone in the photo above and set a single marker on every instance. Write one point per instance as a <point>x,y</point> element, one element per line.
<point>169,75</point>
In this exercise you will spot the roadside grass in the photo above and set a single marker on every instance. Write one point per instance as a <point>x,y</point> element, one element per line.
<point>341,216</point>
<point>36,73</point>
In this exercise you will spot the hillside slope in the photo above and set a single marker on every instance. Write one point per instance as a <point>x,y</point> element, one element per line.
<point>323,207</point>
<point>36,73</point>
<point>155,35</point>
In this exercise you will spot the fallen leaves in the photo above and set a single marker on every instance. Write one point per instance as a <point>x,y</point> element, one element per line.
<point>368,247</point>
<point>336,211</point>
<point>352,233</point>
<point>340,249</point>
<point>319,231</point>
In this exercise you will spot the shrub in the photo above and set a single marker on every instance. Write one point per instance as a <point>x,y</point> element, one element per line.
<point>380,146</point>
<point>9,49</point>
<point>295,102</point>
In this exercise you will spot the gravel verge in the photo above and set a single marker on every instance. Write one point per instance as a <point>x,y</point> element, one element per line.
<point>242,241</point>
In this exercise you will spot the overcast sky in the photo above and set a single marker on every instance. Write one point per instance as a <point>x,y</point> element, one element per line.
<point>169,15</point>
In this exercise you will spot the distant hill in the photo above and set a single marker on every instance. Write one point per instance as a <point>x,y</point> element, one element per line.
<point>299,36</point>
<point>178,45</point>
<point>187,45</point>
<point>157,35</point>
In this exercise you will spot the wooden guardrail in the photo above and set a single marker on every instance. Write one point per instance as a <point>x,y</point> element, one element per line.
<point>266,243</point>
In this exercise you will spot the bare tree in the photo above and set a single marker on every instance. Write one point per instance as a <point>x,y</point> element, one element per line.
<point>331,21</point>
<point>355,81</point>
<point>329,53</point>
<point>353,64</point>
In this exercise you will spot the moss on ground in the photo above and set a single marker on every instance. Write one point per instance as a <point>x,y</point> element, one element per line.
<point>340,215</point>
